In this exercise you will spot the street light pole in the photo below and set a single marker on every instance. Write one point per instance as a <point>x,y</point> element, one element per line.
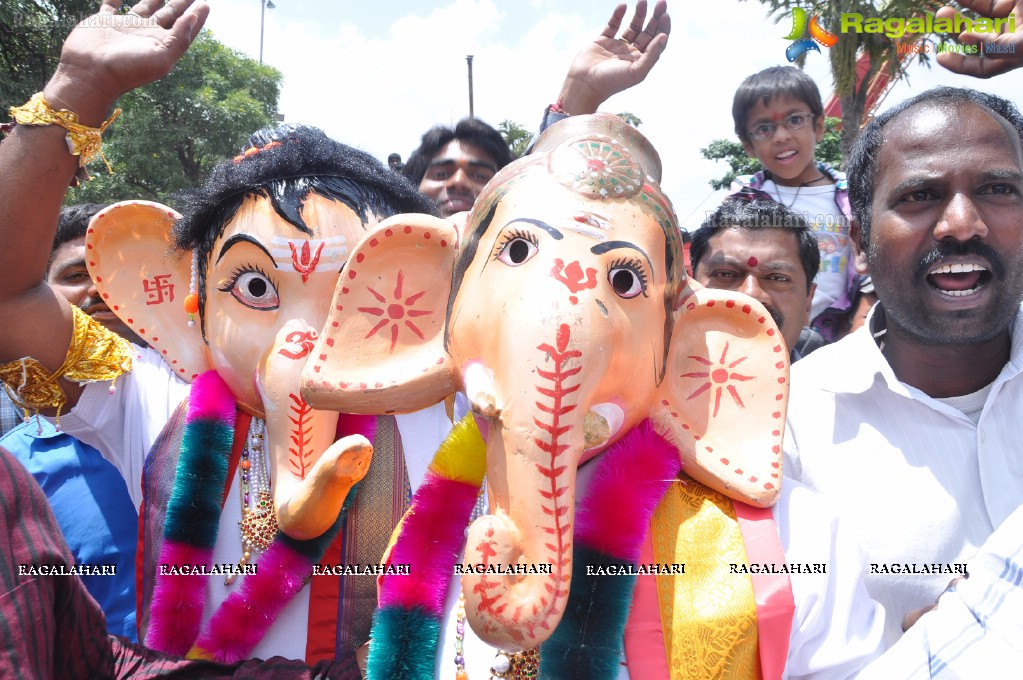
<point>263,6</point>
<point>468,59</point>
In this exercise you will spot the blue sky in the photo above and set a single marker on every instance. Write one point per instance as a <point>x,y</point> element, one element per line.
<point>377,74</point>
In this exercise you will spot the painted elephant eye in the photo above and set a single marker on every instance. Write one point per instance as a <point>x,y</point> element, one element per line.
<point>517,248</point>
<point>253,289</point>
<point>627,278</point>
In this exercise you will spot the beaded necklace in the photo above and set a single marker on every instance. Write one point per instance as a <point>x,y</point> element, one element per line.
<point>259,521</point>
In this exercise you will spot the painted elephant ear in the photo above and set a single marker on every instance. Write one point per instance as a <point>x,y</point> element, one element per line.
<point>726,390</point>
<point>144,279</point>
<point>382,349</point>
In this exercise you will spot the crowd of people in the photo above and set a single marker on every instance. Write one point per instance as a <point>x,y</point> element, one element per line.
<point>185,497</point>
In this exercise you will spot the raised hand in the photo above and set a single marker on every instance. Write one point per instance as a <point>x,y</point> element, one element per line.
<point>612,63</point>
<point>106,55</point>
<point>110,53</point>
<point>991,63</point>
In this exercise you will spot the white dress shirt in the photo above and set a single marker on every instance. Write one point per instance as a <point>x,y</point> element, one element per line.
<point>914,478</point>
<point>977,628</point>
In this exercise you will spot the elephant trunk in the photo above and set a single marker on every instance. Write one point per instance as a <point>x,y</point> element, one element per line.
<point>312,474</point>
<point>534,446</point>
<point>519,610</point>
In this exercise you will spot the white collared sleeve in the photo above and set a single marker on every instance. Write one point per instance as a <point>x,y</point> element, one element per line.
<point>123,424</point>
<point>915,480</point>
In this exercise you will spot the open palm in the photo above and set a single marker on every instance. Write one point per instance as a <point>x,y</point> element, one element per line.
<point>115,52</point>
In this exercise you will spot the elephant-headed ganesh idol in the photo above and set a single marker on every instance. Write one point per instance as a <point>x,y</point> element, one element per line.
<point>570,325</point>
<point>248,491</point>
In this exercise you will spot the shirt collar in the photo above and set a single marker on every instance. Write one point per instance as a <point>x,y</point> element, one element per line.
<point>862,363</point>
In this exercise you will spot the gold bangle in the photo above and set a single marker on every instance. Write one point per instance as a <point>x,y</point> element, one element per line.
<point>95,354</point>
<point>82,141</point>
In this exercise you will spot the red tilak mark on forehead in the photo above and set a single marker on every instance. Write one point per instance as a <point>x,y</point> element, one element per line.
<point>305,261</point>
<point>573,276</point>
<point>752,262</point>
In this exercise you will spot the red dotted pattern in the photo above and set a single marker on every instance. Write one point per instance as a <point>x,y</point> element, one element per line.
<point>153,340</point>
<point>776,450</point>
<point>360,257</point>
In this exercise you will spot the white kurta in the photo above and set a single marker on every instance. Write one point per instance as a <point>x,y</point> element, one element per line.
<point>916,481</point>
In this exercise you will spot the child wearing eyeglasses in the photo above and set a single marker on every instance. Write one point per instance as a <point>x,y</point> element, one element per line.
<point>779,120</point>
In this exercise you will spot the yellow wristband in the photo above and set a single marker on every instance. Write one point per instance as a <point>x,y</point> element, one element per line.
<point>82,141</point>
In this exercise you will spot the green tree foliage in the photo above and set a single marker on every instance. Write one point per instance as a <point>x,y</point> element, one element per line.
<point>630,118</point>
<point>880,48</point>
<point>730,151</point>
<point>515,136</point>
<point>172,132</point>
<point>31,34</point>
<point>829,150</point>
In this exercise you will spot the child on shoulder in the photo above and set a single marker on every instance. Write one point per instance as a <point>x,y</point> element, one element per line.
<point>779,119</point>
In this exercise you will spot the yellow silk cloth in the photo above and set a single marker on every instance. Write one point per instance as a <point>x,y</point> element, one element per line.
<point>708,615</point>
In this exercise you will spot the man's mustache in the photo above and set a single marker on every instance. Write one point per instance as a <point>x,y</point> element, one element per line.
<point>88,303</point>
<point>946,249</point>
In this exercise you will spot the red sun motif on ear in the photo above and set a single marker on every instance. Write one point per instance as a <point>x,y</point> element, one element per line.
<point>722,376</point>
<point>397,313</point>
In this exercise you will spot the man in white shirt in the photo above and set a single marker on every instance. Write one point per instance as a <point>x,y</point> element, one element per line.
<point>977,624</point>
<point>909,423</point>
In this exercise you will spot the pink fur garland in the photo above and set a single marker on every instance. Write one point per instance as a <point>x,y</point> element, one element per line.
<point>632,477</point>
<point>176,609</point>
<point>210,398</point>
<point>431,539</point>
<point>352,423</point>
<point>239,623</point>
<point>244,618</point>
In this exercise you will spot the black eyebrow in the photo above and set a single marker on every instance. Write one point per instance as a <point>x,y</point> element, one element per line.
<point>792,112</point>
<point>1002,174</point>
<point>484,164</point>
<point>729,261</point>
<point>538,223</point>
<point>73,263</point>
<point>602,248</point>
<point>473,163</point>
<point>922,181</point>
<point>244,238</point>
<point>913,183</point>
